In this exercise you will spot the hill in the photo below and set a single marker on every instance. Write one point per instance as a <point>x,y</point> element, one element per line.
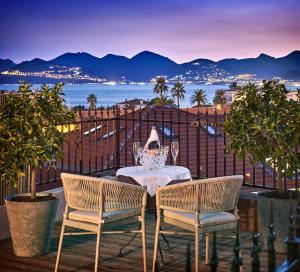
<point>147,65</point>
<point>6,64</point>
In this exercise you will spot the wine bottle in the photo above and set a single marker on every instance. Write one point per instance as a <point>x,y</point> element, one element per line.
<point>153,145</point>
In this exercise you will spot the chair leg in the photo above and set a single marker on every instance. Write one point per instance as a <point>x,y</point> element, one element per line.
<point>156,242</point>
<point>144,242</point>
<point>240,255</point>
<point>206,248</point>
<point>98,248</point>
<point>196,250</point>
<point>60,246</point>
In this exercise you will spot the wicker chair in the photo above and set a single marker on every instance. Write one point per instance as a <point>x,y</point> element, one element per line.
<point>200,206</point>
<point>93,202</point>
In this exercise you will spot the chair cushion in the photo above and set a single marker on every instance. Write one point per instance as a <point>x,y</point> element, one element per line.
<point>93,217</point>
<point>206,219</point>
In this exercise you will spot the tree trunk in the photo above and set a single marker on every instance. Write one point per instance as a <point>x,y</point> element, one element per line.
<point>178,102</point>
<point>33,182</point>
<point>280,181</point>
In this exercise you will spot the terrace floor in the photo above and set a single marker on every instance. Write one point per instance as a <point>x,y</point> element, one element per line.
<point>79,251</point>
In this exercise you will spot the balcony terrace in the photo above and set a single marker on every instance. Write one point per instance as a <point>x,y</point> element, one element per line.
<point>101,142</point>
<point>79,252</point>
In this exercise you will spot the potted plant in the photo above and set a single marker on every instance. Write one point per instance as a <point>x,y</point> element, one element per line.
<point>264,124</point>
<point>29,138</point>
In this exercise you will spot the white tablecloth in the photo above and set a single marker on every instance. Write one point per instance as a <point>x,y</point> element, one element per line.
<point>155,178</point>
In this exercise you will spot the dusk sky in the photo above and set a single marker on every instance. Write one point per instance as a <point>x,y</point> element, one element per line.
<point>182,30</point>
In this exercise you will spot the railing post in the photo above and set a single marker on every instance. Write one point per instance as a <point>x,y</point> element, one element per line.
<point>215,144</point>
<point>214,257</point>
<point>271,239</point>
<point>81,144</point>
<point>292,241</point>
<point>255,253</point>
<point>198,145</point>
<point>291,264</point>
<point>117,138</point>
<point>237,260</point>
<point>188,259</point>
<point>206,144</point>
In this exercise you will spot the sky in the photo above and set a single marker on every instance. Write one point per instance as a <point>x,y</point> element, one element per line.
<point>182,30</point>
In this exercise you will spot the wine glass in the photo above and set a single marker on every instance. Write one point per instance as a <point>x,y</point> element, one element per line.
<point>136,148</point>
<point>174,150</point>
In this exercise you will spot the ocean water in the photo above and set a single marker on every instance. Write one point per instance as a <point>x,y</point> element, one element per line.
<point>108,95</point>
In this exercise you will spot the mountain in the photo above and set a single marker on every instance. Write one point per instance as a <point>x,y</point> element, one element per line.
<point>109,63</point>
<point>291,75</point>
<point>142,67</point>
<point>89,63</point>
<point>199,68</point>
<point>263,66</point>
<point>76,60</point>
<point>79,67</point>
<point>35,65</point>
<point>6,64</point>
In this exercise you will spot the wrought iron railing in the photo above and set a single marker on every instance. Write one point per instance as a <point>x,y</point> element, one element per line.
<point>102,140</point>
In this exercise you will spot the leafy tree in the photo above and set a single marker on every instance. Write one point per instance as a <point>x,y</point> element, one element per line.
<point>178,92</point>
<point>199,97</point>
<point>265,124</point>
<point>29,135</point>
<point>219,97</point>
<point>160,87</point>
<point>92,101</point>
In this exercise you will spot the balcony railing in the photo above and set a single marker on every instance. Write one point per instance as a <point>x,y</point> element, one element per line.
<point>102,140</point>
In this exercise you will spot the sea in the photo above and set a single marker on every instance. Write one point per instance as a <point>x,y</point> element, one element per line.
<point>111,94</point>
<point>108,95</point>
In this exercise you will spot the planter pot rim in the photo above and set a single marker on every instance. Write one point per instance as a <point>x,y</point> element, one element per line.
<point>10,197</point>
<point>275,194</point>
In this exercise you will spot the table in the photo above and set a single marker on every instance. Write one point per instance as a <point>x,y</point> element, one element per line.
<point>153,179</point>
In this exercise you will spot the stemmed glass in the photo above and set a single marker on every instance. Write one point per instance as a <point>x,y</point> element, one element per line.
<point>174,150</point>
<point>136,148</point>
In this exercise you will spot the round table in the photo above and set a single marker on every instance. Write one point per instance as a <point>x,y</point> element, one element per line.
<point>153,179</point>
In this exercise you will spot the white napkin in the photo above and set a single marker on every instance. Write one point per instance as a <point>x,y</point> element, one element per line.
<point>153,137</point>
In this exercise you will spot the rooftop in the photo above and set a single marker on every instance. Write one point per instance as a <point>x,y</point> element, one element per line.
<point>134,102</point>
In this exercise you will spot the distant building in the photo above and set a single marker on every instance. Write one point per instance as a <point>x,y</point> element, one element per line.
<point>136,104</point>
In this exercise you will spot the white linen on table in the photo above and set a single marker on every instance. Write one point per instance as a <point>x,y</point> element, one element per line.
<point>153,179</point>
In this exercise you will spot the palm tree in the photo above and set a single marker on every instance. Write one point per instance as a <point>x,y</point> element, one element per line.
<point>199,97</point>
<point>163,101</point>
<point>160,86</point>
<point>234,86</point>
<point>220,97</point>
<point>178,92</point>
<point>92,101</point>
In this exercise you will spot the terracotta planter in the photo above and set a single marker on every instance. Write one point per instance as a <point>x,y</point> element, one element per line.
<point>282,209</point>
<point>31,225</point>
